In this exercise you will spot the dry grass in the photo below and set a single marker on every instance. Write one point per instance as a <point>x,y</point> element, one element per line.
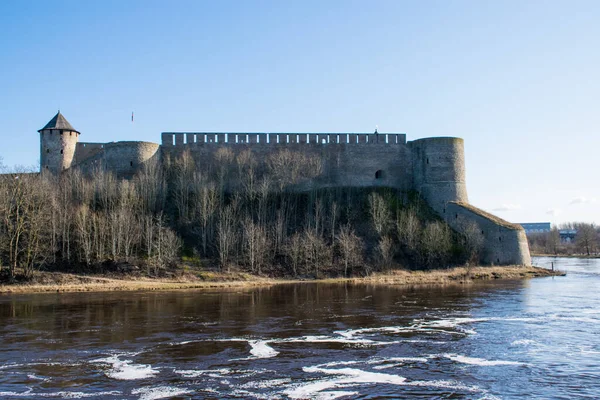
<point>62,282</point>
<point>457,275</point>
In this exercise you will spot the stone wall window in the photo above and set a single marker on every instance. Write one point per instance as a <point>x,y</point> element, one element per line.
<point>379,174</point>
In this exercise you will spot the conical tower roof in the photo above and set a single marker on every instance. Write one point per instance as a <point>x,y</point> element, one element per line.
<point>59,122</point>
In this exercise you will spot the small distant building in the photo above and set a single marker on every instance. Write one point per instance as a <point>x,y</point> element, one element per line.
<point>536,227</point>
<point>567,235</point>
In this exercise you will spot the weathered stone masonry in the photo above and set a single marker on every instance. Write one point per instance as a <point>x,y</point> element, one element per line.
<point>434,167</point>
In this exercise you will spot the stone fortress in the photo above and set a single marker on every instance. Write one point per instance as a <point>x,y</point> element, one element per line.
<point>434,167</point>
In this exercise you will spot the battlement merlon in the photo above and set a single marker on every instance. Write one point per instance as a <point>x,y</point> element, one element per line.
<point>170,139</point>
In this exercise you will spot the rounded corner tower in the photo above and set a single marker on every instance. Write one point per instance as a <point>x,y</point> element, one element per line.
<point>58,141</point>
<point>439,170</point>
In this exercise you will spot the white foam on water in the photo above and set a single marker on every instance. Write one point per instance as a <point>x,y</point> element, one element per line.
<point>335,395</point>
<point>440,326</point>
<point>346,377</point>
<point>490,397</point>
<point>352,333</point>
<point>390,361</point>
<point>126,370</point>
<point>33,364</point>
<point>330,339</point>
<point>80,395</point>
<point>338,363</point>
<point>479,361</point>
<point>261,349</point>
<point>37,378</point>
<point>267,384</point>
<point>17,394</point>
<point>453,385</point>
<point>160,392</point>
<point>220,372</point>
<point>395,362</point>
<point>523,342</point>
<point>195,373</point>
<point>452,322</point>
<point>62,394</point>
<point>399,360</point>
<point>184,342</point>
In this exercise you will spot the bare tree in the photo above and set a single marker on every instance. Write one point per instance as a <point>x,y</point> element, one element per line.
<point>408,229</point>
<point>435,243</point>
<point>317,254</point>
<point>553,241</point>
<point>206,209</point>
<point>255,244</point>
<point>385,251</point>
<point>227,235</point>
<point>381,215</point>
<point>84,229</point>
<point>294,251</point>
<point>587,238</point>
<point>350,248</point>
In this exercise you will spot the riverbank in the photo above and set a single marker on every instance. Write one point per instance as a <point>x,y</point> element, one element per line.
<point>63,282</point>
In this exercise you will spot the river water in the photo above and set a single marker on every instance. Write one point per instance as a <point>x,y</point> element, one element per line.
<point>527,339</point>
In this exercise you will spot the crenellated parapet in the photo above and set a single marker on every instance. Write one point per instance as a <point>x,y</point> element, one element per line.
<point>175,139</point>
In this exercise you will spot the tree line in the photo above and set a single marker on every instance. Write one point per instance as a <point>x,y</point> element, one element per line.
<point>586,240</point>
<point>224,211</point>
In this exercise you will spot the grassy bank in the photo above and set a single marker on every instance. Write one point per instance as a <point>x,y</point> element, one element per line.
<point>63,282</point>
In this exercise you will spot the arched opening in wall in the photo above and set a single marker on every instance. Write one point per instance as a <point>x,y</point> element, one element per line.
<point>428,161</point>
<point>131,163</point>
<point>47,150</point>
<point>379,174</point>
<point>62,152</point>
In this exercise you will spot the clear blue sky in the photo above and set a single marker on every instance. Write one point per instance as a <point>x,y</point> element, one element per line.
<point>518,80</point>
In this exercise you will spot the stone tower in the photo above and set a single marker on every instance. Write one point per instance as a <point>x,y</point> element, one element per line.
<point>439,171</point>
<point>58,140</point>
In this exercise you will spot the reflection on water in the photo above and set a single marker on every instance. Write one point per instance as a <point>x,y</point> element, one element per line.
<point>537,338</point>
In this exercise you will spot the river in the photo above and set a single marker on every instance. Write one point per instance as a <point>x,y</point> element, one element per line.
<point>499,340</point>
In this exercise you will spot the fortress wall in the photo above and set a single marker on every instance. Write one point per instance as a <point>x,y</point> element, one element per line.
<point>57,149</point>
<point>166,139</point>
<point>439,170</point>
<point>504,243</point>
<point>89,165</point>
<point>126,158</point>
<point>186,138</point>
<point>84,150</point>
<point>343,164</point>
